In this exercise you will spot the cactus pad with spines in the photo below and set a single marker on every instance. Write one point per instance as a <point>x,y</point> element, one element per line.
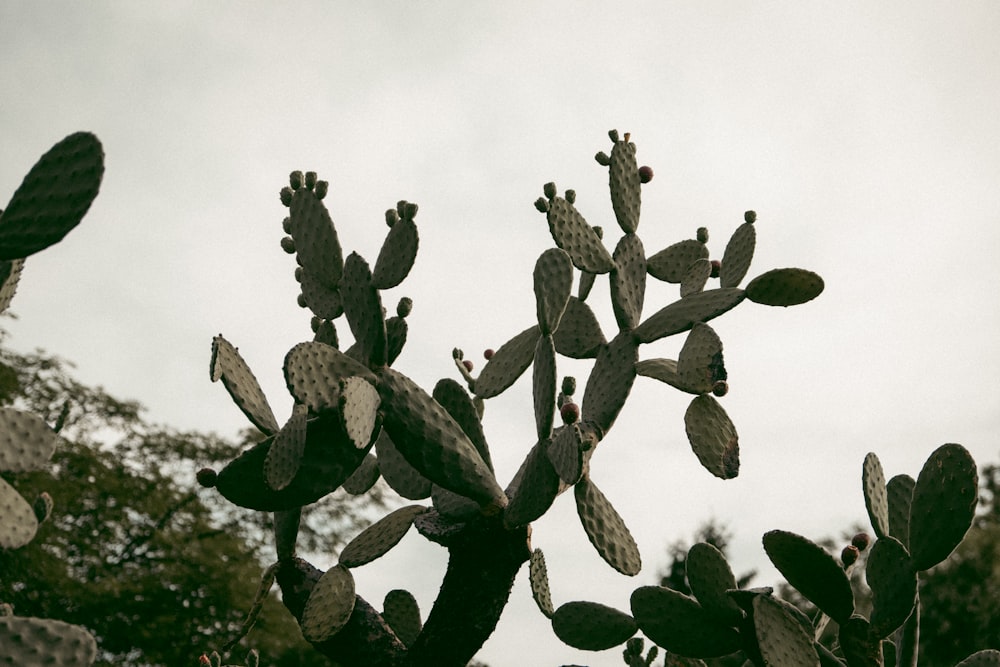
<point>812,571</point>
<point>579,335</point>
<point>876,499</point>
<point>784,287</point>
<point>285,454</point>
<point>572,233</point>
<point>696,277</point>
<point>673,262</point>
<point>316,244</point>
<point>610,381</point>
<point>358,407</point>
<point>709,577</point>
<point>943,505</point>
<point>399,251</point>
<point>713,437</point>
<point>606,529</point>
<point>680,625</point>
<point>18,522</point>
<point>53,197</point>
<point>26,441</point>
<point>553,282</point>
<point>428,437</point>
<point>325,302</point>
<point>781,638</point>
<point>681,315</point>
<point>860,647</point>
<point>544,386</point>
<point>227,365</point>
<point>591,626</point>
<point>624,184</point>
<point>364,478</point>
<point>539,579</point>
<point>330,604</point>
<point>533,488</point>
<point>401,612</point>
<point>628,282</point>
<point>738,255</point>
<point>39,641</point>
<point>508,363</point>
<point>899,494</point>
<point>566,453</point>
<point>363,309</point>
<point>402,477</point>
<point>893,583</point>
<point>457,403</point>
<point>377,539</point>
<point>312,371</point>
<point>700,363</point>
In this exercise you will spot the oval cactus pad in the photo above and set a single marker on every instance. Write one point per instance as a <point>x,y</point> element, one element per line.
<point>625,185</point>
<point>610,381</point>
<point>713,437</point>
<point>26,441</point>
<point>680,625</point>
<point>316,244</point>
<point>42,641</point>
<point>673,262</point>
<point>873,487</point>
<point>943,505</point>
<point>739,253</point>
<point>710,576</point>
<point>684,313</point>
<point>811,570</point>
<point>784,287</point>
<point>628,282</point>
<point>572,233</point>
<point>363,309</point>
<point>330,605</point>
<point>283,458</point>
<point>590,626</point>
<point>242,385</point>
<point>401,612</point>
<point>313,371</point>
<point>781,638</point>
<point>553,281</point>
<point>605,529</point>
<point>508,363</point>
<point>539,577</point>
<point>377,539</point>
<point>397,255</point>
<point>579,335</point>
<point>18,523</point>
<point>402,477</point>
<point>54,196</point>
<point>359,404</point>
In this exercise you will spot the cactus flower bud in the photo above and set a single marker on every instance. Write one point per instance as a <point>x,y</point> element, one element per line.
<point>404,307</point>
<point>569,385</point>
<point>286,196</point>
<point>206,477</point>
<point>750,216</point>
<point>702,235</point>
<point>720,388</point>
<point>295,179</point>
<point>310,179</point>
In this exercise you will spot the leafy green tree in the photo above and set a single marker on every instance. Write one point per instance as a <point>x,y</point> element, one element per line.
<point>134,550</point>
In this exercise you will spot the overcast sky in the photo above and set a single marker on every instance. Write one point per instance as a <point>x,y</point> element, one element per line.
<point>865,135</point>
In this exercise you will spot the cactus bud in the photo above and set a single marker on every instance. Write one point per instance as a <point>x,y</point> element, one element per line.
<point>206,477</point>
<point>314,323</point>
<point>391,217</point>
<point>549,189</point>
<point>286,196</point>
<point>286,225</point>
<point>861,541</point>
<point>702,235</point>
<point>295,179</point>
<point>301,300</point>
<point>849,556</point>
<point>750,216</point>
<point>410,210</point>
<point>645,174</point>
<point>570,413</point>
<point>322,187</point>
<point>542,205</point>
<point>569,385</point>
<point>599,231</point>
<point>404,307</point>
<point>602,159</point>
<point>457,354</point>
<point>614,135</point>
<point>488,353</point>
<point>401,208</point>
<point>720,388</point>
<point>571,196</point>
<point>310,179</point>
<point>288,244</point>
<point>716,265</point>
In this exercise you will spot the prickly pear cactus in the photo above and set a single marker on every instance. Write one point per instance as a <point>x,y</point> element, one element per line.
<point>358,417</point>
<point>50,202</point>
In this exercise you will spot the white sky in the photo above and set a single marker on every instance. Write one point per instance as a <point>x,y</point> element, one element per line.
<point>865,137</point>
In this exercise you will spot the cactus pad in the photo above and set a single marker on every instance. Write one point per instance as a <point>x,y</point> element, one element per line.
<point>508,363</point>
<point>10,275</point>
<point>739,253</point>
<point>605,529</point>
<point>681,315</point>
<point>398,253</point>
<point>428,437</point>
<point>329,606</point>
<point>811,570</point>
<point>324,302</point>
<point>364,478</point>
<point>986,658</point>
<point>673,263</point>
<point>610,381</point>
<point>359,404</point>
<point>18,523</point>
<point>680,625</point>
<point>539,577</point>
<point>553,281</point>
<point>401,612</point>
<point>53,197</point>
<point>534,487</point>
<point>713,437</point>
<point>363,309</point>
<point>860,647</point>
<point>39,641</point>
<point>943,506</point>
<point>700,364</point>
<point>402,477</point>
<point>285,454</point>
<point>625,185</point>
<point>710,576</point>
<point>377,539</point>
<point>579,335</point>
<point>590,626</point>
<point>899,492</point>
<point>544,386</point>
<point>312,371</point>
<point>876,500</point>
<point>316,244</point>
<point>695,279</point>
<point>628,282</point>
<point>781,638</point>
<point>572,233</point>
<point>566,453</point>
<point>26,441</point>
<point>893,582</point>
<point>784,287</point>
<point>227,365</point>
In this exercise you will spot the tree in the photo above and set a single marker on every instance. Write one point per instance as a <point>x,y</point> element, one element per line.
<point>134,550</point>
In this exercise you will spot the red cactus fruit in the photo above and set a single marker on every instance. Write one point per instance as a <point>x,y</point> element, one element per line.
<point>849,556</point>
<point>570,413</point>
<point>468,365</point>
<point>206,477</point>
<point>488,354</point>
<point>645,174</point>
<point>861,541</point>
<point>716,265</point>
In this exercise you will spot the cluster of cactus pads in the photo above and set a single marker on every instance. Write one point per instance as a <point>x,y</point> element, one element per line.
<point>50,202</point>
